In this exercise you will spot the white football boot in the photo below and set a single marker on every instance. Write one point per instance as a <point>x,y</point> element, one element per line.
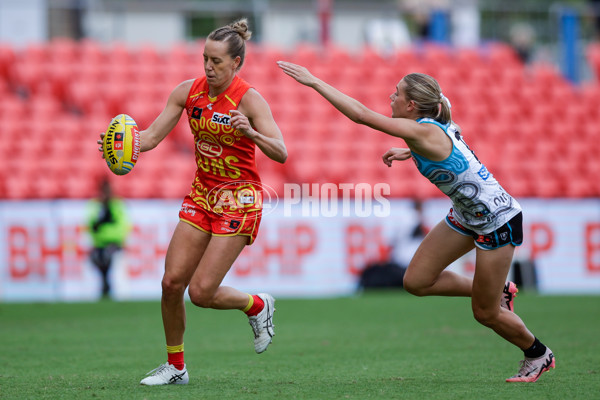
<point>262,324</point>
<point>532,368</point>
<point>166,374</point>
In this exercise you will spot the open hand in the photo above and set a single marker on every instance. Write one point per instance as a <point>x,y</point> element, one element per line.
<point>298,72</point>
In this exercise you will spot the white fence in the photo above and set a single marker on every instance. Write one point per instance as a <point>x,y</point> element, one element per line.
<point>303,250</point>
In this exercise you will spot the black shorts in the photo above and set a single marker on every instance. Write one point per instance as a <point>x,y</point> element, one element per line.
<point>509,233</point>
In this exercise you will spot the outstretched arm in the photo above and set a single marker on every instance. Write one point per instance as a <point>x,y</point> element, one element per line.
<point>425,139</point>
<point>406,129</point>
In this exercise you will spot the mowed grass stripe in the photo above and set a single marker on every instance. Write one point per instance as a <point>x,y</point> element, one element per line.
<point>379,345</point>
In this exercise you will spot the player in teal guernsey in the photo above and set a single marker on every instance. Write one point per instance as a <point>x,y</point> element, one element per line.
<point>483,216</point>
<point>479,202</point>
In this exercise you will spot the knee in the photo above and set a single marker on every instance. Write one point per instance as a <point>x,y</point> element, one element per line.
<point>486,317</point>
<point>201,297</point>
<point>172,287</point>
<point>413,287</point>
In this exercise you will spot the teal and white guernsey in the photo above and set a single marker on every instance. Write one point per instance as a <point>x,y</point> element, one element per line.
<point>479,202</point>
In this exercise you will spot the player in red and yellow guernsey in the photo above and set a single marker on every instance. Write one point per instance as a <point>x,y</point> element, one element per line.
<point>221,215</point>
<point>226,181</point>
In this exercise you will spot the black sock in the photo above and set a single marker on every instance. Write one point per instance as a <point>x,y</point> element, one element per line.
<point>536,350</point>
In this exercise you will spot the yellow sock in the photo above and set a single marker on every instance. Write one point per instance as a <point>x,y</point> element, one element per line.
<point>175,349</point>
<point>250,303</point>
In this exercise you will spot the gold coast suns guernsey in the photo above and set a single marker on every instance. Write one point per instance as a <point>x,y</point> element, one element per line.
<point>227,179</point>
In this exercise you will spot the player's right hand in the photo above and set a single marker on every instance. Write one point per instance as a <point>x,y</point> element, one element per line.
<point>396,154</point>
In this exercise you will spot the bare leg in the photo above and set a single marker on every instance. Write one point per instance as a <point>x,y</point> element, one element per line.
<point>426,275</point>
<point>490,276</point>
<point>205,288</point>
<point>185,251</point>
<point>201,261</point>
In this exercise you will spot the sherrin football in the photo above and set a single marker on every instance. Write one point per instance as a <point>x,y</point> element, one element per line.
<point>121,144</point>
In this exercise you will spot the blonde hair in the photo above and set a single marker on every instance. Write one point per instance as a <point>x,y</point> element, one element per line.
<point>425,91</point>
<point>235,35</point>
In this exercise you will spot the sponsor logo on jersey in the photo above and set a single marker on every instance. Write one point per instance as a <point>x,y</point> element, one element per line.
<point>484,173</point>
<point>188,209</point>
<point>221,119</point>
<point>246,196</point>
<point>208,146</point>
<point>246,199</point>
<point>196,113</point>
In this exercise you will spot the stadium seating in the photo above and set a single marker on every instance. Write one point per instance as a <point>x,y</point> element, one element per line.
<point>533,129</point>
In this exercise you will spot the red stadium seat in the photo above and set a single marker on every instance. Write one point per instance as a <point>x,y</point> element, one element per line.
<point>7,62</point>
<point>306,54</point>
<point>532,116</point>
<point>91,51</point>
<point>63,50</point>
<point>435,54</point>
<point>12,108</point>
<point>16,187</point>
<point>593,56</point>
<point>468,56</point>
<point>548,188</point>
<point>502,55</point>
<point>30,78</point>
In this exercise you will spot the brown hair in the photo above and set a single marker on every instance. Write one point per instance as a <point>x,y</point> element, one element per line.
<point>427,95</point>
<point>235,34</point>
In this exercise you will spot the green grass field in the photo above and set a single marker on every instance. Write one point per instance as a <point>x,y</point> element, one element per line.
<point>374,346</point>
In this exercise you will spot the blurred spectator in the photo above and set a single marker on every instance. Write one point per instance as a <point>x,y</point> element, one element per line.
<point>595,11</point>
<point>390,273</point>
<point>522,38</point>
<point>387,35</point>
<point>419,12</point>
<point>108,226</point>
<point>465,18</point>
<point>403,248</point>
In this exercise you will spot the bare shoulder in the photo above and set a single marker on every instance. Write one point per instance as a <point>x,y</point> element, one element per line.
<point>432,142</point>
<point>253,95</point>
<point>184,86</point>
<point>253,101</point>
<point>180,93</point>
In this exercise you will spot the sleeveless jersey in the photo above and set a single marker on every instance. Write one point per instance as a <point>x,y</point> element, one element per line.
<point>478,200</point>
<point>227,177</point>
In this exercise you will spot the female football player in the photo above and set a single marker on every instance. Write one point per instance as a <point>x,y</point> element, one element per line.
<point>222,213</point>
<point>483,216</point>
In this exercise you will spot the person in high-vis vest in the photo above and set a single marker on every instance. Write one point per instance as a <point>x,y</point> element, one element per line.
<point>108,226</point>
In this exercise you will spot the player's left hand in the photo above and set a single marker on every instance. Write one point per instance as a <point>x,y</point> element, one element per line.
<point>396,154</point>
<point>241,123</point>
<point>100,142</point>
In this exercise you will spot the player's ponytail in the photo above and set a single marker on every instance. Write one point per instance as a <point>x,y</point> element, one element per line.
<point>241,27</point>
